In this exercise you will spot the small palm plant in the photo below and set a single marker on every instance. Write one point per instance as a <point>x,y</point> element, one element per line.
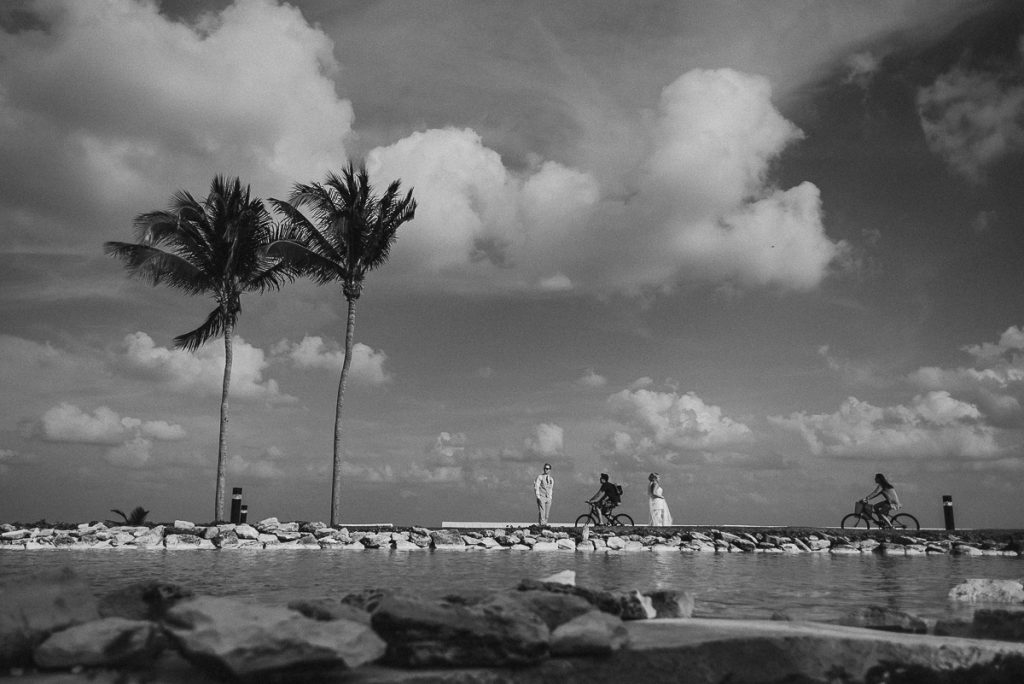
<point>351,233</point>
<point>136,517</point>
<point>214,246</point>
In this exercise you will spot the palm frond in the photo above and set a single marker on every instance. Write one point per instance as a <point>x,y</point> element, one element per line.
<point>212,328</point>
<point>157,266</point>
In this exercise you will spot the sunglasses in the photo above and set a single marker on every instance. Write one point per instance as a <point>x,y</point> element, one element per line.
<point>547,467</point>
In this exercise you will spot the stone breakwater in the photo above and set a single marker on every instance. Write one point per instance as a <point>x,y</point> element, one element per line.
<point>53,630</point>
<point>272,534</point>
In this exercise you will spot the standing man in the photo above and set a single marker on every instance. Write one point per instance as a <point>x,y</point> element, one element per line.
<point>543,487</point>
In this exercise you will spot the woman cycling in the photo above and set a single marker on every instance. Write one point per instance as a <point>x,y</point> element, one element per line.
<point>891,501</point>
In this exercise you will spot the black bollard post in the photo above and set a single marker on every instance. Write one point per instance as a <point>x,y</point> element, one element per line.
<point>236,505</point>
<point>947,512</point>
<point>244,514</point>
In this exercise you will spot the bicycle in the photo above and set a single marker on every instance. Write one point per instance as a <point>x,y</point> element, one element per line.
<point>864,516</point>
<point>594,517</point>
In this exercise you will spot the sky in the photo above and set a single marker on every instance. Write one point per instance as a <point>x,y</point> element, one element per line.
<point>763,249</point>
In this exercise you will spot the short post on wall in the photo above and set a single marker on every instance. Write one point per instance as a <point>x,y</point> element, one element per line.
<point>947,512</point>
<point>244,515</point>
<point>236,505</point>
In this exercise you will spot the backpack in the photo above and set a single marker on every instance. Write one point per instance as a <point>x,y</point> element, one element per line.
<point>618,489</point>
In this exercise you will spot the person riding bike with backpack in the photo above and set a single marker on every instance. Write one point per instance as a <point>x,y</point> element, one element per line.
<point>607,497</point>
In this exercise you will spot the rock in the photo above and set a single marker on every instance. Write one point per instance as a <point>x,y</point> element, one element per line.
<point>327,609</point>
<point>226,539</point>
<point>151,539</point>
<point>999,591</point>
<point>187,541</point>
<point>744,544</point>
<point>184,525</point>
<point>668,603</point>
<point>268,525</point>
<point>552,607</point>
<point>885,619</point>
<point>251,642</point>
<point>447,539</point>
<point>566,544</point>
<point>143,600</point>
<point>245,531</point>
<point>106,642</point>
<point>498,631</point>
<point>566,577</point>
<point>33,607</point>
<point>407,546</point>
<point>997,623</point>
<point>546,546</point>
<point>615,543</point>
<point>628,606</point>
<point>593,633</point>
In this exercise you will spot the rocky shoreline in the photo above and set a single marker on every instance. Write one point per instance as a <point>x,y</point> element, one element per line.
<point>53,630</point>
<point>272,534</point>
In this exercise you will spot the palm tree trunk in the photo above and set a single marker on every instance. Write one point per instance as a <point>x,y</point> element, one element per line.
<point>222,447</point>
<point>336,475</point>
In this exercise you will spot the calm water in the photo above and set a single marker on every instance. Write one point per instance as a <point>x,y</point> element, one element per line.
<point>807,586</point>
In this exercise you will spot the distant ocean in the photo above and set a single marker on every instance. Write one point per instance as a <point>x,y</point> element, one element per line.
<point>804,586</point>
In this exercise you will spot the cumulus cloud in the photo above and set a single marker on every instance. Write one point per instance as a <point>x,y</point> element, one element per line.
<point>933,426</point>
<point>202,372</point>
<point>716,136</point>
<point>68,423</point>
<point>972,119</point>
<point>315,352</point>
<point>482,216</point>
<point>545,442</point>
<point>994,380</point>
<point>192,97</point>
<point>669,422</point>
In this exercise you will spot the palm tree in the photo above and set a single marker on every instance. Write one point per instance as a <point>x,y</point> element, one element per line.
<point>351,233</point>
<point>213,246</point>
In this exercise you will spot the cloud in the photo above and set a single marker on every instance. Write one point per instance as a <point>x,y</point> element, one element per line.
<point>861,68</point>
<point>703,208</point>
<point>135,453</point>
<point>972,119</point>
<point>191,100</point>
<point>592,380</point>
<point>69,423</point>
<point>715,137</point>
<point>202,372</point>
<point>994,381</point>
<point>481,216</point>
<point>258,469</point>
<point>314,352</point>
<point>545,442</point>
<point>670,423</point>
<point>934,426</point>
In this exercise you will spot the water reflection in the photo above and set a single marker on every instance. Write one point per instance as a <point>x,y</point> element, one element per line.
<point>804,586</point>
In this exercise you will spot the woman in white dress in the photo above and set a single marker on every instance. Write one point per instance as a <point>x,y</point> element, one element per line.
<point>660,515</point>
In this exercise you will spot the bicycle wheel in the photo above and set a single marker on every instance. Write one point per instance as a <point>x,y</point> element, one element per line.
<point>585,519</point>
<point>622,519</point>
<point>854,521</point>
<point>905,521</point>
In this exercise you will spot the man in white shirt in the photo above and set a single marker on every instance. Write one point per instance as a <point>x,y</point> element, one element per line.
<point>543,487</point>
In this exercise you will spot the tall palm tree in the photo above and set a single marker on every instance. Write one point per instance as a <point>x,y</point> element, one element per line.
<point>351,233</point>
<point>214,246</point>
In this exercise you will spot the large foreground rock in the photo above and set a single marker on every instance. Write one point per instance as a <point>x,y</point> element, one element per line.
<point>494,632</point>
<point>992,590</point>
<point>32,608</point>
<point>108,642</point>
<point>252,641</point>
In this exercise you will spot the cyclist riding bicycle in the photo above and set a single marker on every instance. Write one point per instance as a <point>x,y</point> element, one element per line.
<point>607,497</point>
<point>890,502</point>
